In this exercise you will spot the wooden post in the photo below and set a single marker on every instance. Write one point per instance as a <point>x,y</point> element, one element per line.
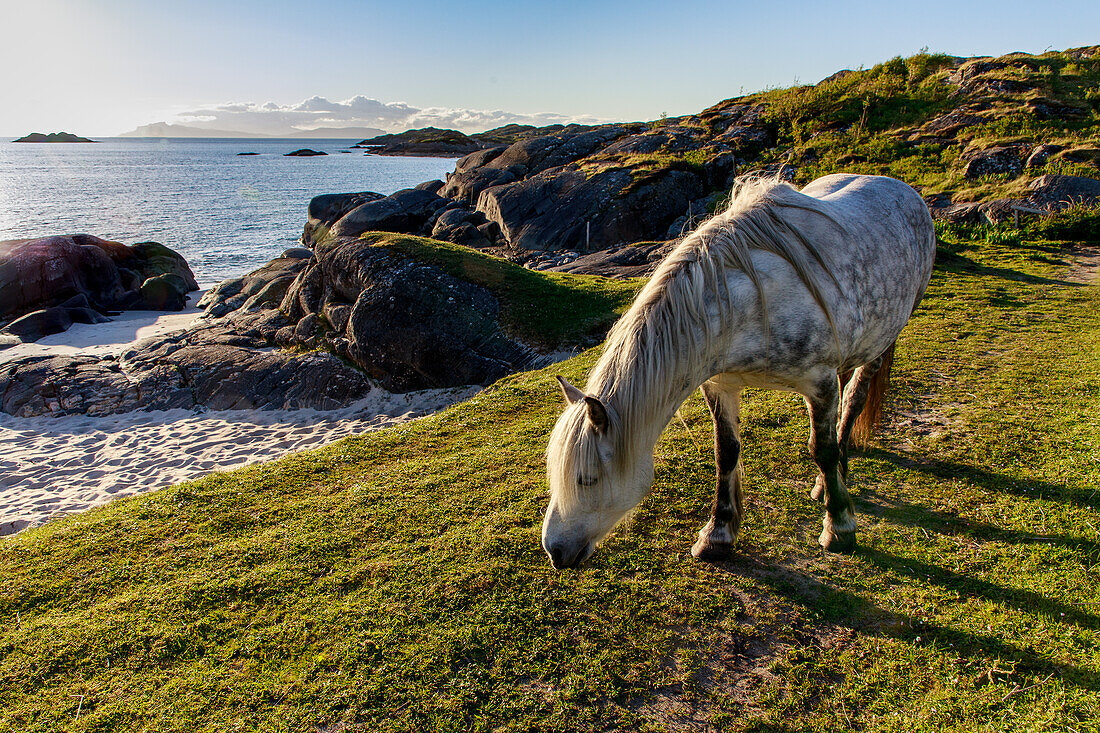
<point>587,236</point>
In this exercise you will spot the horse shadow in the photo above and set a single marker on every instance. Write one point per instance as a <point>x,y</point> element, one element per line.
<point>988,480</point>
<point>863,617</point>
<point>958,264</point>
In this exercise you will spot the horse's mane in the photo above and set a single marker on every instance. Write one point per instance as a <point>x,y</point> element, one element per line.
<point>669,316</point>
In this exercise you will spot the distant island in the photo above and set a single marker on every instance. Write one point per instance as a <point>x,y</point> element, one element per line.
<point>434,142</point>
<point>53,137</point>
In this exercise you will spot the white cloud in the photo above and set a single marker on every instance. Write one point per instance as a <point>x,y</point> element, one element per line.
<point>274,119</point>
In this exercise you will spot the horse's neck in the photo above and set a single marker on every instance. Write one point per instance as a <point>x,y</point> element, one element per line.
<point>647,394</point>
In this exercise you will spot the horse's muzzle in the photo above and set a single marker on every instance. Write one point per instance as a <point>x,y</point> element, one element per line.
<point>563,557</point>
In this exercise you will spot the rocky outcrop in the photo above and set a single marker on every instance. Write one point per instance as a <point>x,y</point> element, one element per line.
<point>303,153</point>
<point>409,325</point>
<point>260,289</point>
<point>223,366</point>
<point>564,209</point>
<point>36,274</point>
<point>579,188</point>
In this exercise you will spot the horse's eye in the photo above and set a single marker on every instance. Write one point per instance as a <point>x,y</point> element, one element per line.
<point>583,480</point>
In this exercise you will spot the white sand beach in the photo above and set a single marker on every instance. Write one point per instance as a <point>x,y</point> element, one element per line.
<point>52,466</point>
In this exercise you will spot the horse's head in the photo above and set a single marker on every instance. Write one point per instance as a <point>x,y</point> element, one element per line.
<point>592,483</point>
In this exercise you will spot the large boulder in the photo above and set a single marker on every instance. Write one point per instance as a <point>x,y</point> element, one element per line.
<point>567,209</point>
<point>407,211</point>
<point>326,210</point>
<point>39,273</point>
<point>409,325</point>
<point>1055,192</point>
<point>262,288</point>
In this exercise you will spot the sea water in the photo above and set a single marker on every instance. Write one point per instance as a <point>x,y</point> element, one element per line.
<point>227,214</point>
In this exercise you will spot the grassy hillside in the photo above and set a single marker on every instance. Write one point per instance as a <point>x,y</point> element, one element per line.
<point>889,120</point>
<point>394,581</point>
<point>918,119</point>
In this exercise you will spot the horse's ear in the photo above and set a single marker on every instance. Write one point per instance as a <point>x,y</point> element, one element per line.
<point>597,413</point>
<point>572,394</point>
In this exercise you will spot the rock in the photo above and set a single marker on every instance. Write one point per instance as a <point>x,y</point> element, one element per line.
<point>262,288</point>
<point>563,209</point>
<point>431,186</point>
<point>224,365</point>
<point>247,153</point>
<point>86,315</point>
<point>326,210</point>
<point>1055,192</point>
<point>461,226</point>
<point>405,211</point>
<point>297,253</point>
<point>303,153</point>
<point>466,186</point>
<point>409,325</point>
<point>166,292</point>
<point>993,161</point>
<point>45,322</point>
<point>1039,155</point>
<point>53,137</point>
<point>948,125</point>
<point>637,260</point>
<point>1082,155</point>
<point>149,259</point>
<point>1052,109</point>
<point>39,273</point>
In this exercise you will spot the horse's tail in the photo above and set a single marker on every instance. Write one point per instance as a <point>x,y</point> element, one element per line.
<point>876,396</point>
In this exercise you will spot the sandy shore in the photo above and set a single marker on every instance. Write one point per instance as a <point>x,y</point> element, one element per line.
<point>109,338</point>
<point>52,466</point>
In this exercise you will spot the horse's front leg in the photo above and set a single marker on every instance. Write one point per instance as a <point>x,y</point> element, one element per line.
<point>839,533</point>
<point>717,538</point>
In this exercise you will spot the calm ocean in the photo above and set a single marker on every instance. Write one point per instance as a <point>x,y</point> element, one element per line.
<point>227,214</point>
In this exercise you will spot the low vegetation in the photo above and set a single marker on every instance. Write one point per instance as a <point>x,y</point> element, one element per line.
<point>394,581</point>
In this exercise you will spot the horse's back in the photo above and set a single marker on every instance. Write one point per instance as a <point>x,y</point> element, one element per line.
<point>883,256</point>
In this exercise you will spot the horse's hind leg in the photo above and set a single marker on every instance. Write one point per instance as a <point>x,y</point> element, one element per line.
<point>839,533</point>
<point>718,536</point>
<point>855,397</point>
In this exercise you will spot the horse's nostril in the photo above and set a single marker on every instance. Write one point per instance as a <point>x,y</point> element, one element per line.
<point>556,554</point>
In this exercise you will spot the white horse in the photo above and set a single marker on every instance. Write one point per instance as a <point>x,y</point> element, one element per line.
<point>785,289</point>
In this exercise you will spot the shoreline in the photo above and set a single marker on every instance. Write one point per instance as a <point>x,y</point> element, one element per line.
<point>55,466</point>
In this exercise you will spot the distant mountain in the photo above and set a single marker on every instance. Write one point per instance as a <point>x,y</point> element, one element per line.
<point>53,137</point>
<point>165,129</point>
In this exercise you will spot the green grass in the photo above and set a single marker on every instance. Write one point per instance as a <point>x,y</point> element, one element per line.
<point>546,309</point>
<point>394,581</point>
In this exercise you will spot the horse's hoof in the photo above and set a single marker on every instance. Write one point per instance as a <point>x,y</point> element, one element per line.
<point>839,542</point>
<point>817,493</point>
<point>708,551</point>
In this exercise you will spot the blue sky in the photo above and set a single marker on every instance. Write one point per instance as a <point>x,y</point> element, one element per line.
<point>100,67</point>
